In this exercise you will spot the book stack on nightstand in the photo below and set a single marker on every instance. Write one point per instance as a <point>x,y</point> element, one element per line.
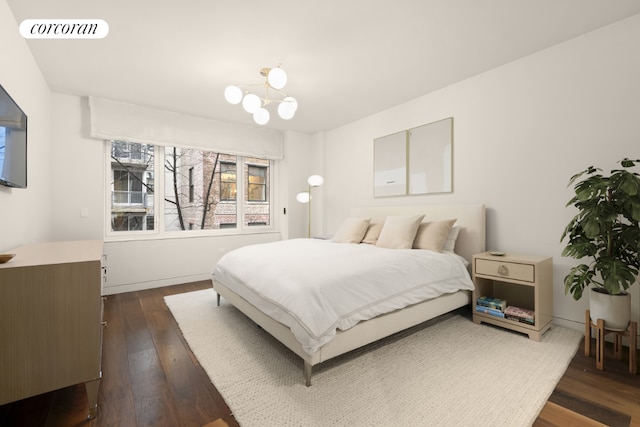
<point>492,306</point>
<point>521,315</point>
<point>499,308</point>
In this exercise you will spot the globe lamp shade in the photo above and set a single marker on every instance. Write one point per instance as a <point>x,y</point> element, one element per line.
<point>277,78</point>
<point>291,101</point>
<point>315,180</point>
<point>251,103</point>
<point>233,94</point>
<point>261,116</point>
<point>286,110</point>
<point>303,197</point>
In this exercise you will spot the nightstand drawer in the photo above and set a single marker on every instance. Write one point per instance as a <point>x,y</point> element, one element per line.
<point>524,272</point>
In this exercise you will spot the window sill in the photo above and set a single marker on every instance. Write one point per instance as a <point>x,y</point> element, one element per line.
<point>186,235</point>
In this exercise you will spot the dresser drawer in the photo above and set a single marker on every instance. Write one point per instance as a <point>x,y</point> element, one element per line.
<point>510,270</point>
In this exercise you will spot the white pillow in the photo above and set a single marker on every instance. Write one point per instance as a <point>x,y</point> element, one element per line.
<point>398,232</point>
<point>450,243</point>
<point>352,230</point>
<point>432,235</point>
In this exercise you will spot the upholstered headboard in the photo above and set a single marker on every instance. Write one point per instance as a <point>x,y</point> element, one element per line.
<point>471,218</point>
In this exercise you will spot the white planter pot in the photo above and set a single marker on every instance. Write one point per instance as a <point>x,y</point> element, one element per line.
<point>615,310</point>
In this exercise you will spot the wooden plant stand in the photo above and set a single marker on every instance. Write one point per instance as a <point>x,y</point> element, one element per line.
<point>601,332</point>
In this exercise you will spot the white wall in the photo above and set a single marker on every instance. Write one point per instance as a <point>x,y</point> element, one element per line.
<point>294,170</point>
<point>520,132</point>
<point>25,213</point>
<point>78,172</point>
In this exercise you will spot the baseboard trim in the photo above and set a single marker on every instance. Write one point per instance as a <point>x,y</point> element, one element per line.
<point>132,287</point>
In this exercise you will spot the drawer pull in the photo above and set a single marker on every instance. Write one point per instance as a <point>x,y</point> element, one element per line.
<point>503,270</point>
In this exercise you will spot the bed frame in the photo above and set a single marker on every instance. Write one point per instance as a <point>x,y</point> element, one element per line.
<point>471,240</point>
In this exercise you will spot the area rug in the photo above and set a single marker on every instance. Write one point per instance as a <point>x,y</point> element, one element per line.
<point>447,372</point>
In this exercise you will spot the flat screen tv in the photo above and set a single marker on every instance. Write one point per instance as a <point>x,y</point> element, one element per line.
<point>13,143</point>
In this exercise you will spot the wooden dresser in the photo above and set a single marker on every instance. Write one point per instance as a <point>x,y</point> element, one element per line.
<point>51,319</point>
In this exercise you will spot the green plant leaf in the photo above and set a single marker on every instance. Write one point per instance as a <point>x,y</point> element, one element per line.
<point>628,163</point>
<point>605,229</point>
<point>579,277</point>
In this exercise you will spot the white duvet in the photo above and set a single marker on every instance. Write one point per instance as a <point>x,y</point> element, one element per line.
<point>318,286</point>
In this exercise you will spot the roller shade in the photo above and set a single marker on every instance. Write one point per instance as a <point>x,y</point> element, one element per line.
<point>128,122</point>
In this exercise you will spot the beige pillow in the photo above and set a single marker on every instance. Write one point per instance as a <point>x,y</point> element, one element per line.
<point>432,235</point>
<point>398,232</point>
<point>373,231</point>
<point>450,243</point>
<point>352,230</point>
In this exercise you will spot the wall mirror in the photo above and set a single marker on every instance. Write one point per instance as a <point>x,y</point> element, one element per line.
<point>414,161</point>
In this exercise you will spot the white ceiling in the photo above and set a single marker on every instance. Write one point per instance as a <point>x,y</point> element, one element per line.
<point>345,59</point>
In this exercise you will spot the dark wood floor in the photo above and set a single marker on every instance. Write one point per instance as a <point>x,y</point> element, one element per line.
<point>151,377</point>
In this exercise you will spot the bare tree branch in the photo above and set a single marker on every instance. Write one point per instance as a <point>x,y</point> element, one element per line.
<point>206,204</point>
<point>173,168</point>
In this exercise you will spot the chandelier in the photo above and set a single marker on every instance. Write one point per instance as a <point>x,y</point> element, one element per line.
<point>275,79</point>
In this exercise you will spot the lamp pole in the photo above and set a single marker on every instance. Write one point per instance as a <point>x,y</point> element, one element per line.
<point>313,181</point>
<point>309,225</point>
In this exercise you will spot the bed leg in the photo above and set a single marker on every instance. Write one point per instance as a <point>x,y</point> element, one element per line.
<point>218,298</point>
<point>307,374</point>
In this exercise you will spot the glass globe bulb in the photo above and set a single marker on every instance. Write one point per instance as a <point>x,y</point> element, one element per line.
<point>251,103</point>
<point>233,94</point>
<point>303,197</point>
<point>286,110</point>
<point>261,116</point>
<point>290,100</point>
<point>277,78</point>
<point>315,180</point>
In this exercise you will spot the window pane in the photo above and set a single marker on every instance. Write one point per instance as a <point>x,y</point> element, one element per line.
<point>131,186</point>
<point>257,183</point>
<point>120,180</point>
<point>228,188</point>
<point>200,189</point>
<point>257,209</point>
<point>226,212</point>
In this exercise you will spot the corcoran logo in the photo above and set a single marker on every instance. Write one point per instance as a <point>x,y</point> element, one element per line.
<point>64,29</point>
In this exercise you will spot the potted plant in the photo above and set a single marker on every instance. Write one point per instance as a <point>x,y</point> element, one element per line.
<point>606,231</point>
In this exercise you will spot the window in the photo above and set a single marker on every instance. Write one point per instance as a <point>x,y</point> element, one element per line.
<point>227,181</point>
<point>198,190</point>
<point>127,187</point>
<point>211,178</point>
<point>132,203</point>
<point>128,222</point>
<point>257,183</point>
<point>257,209</point>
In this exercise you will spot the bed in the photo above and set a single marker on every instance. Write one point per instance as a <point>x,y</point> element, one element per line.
<point>288,315</point>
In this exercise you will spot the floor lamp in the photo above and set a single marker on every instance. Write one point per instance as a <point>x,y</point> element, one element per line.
<point>305,196</point>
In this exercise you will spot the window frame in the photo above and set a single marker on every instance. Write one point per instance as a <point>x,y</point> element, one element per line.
<point>159,231</point>
<point>235,181</point>
<point>264,185</point>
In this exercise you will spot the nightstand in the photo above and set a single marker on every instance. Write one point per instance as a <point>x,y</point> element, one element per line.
<point>524,281</point>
